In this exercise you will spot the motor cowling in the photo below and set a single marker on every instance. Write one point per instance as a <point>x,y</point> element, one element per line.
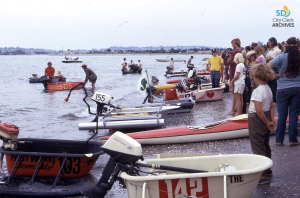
<point>9,134</point>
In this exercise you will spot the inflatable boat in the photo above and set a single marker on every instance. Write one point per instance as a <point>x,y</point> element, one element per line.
<point>236,127</point>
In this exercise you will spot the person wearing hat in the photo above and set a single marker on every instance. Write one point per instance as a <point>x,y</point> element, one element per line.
<point>215,65</point>
<point>236,44</point>
<point>90,75</point>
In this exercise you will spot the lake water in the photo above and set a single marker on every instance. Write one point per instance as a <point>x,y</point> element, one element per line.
<point>46,115</point>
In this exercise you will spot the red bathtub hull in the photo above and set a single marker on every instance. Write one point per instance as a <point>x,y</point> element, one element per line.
<point>63,86</point>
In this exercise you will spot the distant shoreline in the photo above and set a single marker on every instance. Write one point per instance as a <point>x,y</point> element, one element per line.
<point>129,54</point>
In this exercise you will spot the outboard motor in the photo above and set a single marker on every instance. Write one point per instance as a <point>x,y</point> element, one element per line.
<point>124,153</point>
<point>9,134</point>
<point>169,70</point>
<point>154,80</point>
<point>101,100</point>
<point>150,92</point>
<point>190,67</point>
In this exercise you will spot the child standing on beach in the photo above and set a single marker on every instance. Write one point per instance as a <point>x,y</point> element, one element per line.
<point>261,114</point>
<point>238,82</point>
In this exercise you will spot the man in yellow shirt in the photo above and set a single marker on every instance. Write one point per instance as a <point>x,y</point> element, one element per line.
<point>215,65</point>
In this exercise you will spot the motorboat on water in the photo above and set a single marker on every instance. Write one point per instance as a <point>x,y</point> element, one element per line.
<point>35,79</point>
<point>71,60</point>
<point>236,127</point>
<point>168,60</point>
<point>59,86</point>
<point>45,167</point>
<point>131,72</point>
<point>64,86</point>
<point>214,176</point>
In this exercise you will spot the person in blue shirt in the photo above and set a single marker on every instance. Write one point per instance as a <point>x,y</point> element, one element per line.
<point>288,91</point>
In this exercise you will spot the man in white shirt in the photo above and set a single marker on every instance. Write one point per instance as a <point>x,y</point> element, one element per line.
<point>140,65</point>
<point>189,61</point>
<point>124,64</point>
<point>274,50</point>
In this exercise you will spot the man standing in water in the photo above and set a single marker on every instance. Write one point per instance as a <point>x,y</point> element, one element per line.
<point>216,65</point>
<point>90,75</point>
<point>189,61</point>
<point>236,44</point>
<point>49,71</point>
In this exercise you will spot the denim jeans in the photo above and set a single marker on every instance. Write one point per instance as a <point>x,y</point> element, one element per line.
<point>215,78</point>
<point>288,101</point>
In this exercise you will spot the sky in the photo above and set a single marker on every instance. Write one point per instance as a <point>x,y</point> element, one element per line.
<point>87,24</point>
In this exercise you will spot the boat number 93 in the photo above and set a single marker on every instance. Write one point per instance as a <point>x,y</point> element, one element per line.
<point>100,97</point>
<point>190,95</point>
<point>72,165</point>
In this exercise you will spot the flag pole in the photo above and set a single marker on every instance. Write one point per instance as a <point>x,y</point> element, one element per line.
<point>147,78</point>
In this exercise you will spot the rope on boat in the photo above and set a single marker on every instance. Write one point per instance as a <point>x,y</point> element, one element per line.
<point>136,186</point>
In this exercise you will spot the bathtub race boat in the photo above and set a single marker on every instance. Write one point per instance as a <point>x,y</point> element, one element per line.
<point>59,86</point>
<point>205,93</point>
<point>45,167</point>
<point>236,127</point>
<point>214,176</point>
<point>71,60</point>
<point>64,86</point>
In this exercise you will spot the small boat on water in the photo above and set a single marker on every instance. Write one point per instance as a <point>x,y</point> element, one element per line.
<point>131,72</point>
<point>64,86</point>
<point>168,60</point>
<point>71,60</point>
<point>31,163</point>
<point>236,127</point>
<point>35,79</point>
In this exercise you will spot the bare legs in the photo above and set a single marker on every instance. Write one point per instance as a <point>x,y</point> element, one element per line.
<point>233,102</point>
<point>239,103</point>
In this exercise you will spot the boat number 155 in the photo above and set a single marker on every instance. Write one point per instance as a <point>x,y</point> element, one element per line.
<point>100,97</point>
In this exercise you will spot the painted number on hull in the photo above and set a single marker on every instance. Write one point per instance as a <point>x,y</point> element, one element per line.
<point>190,95</point>
<point>181,188</point>
<point>67,86</point>
<point>71,165</point>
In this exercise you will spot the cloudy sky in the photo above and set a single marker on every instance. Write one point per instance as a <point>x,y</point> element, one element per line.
<point>86,24</point>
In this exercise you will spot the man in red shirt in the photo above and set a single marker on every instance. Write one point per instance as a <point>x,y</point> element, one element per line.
<point>236,44</point>
<point>49,71</point>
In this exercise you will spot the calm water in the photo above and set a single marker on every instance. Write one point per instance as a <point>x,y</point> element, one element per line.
<point>47,115</point>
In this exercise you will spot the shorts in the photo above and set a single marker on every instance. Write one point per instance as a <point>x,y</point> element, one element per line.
<point>239,88</point>
<point>94,81</point>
